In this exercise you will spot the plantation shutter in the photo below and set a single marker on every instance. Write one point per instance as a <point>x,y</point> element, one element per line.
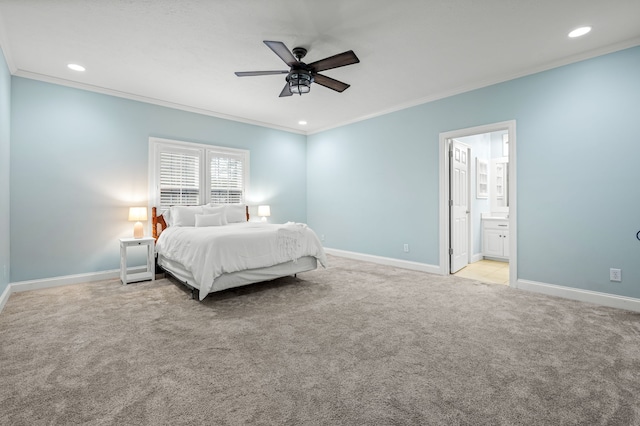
<point>179,179</point>
<point>227,184</point>
<point>184,173</point>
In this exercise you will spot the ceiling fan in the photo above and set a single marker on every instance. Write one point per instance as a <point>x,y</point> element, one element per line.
<point>301,75</point>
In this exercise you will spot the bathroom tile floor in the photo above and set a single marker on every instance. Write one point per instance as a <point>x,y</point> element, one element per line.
<point>486,270</point>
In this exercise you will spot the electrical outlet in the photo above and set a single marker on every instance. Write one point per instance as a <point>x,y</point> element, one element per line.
<point>615,275</point>
<point>321,237</point>
<point>406,248</point>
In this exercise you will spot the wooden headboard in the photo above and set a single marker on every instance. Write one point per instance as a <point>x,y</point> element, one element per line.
<point>158,223</point>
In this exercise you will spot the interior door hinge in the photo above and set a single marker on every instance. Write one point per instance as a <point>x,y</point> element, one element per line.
<point>450,203</point>
<point>450,251</point>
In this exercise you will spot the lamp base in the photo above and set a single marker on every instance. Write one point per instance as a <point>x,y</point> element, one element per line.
<point>138,230</point>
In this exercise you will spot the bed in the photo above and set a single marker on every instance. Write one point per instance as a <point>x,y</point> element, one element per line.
<point>213,248</point>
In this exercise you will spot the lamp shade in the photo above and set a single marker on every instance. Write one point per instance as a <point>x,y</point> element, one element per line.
<point>264,211</point>
<point>137,214</point>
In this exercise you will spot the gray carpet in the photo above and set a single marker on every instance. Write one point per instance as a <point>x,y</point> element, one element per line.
<point>356,344</point>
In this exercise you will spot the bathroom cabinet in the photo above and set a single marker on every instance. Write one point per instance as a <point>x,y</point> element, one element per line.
<point>495,238</point>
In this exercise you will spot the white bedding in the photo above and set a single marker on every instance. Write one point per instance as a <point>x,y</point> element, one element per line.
<point>208,252</point>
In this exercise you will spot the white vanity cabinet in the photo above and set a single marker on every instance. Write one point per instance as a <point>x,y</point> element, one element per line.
<point>495,238</point>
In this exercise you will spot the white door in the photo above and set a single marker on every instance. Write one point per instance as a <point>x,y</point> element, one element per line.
<point>459,222</point>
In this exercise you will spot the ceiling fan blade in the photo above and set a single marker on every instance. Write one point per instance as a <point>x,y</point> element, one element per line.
<point>331,83</point>
<point>335,61</point>
<point>286,91</point>
<point>282,51</point>
<point>254,73</point>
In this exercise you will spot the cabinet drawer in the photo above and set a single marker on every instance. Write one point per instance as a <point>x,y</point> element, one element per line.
<point>495,224</point>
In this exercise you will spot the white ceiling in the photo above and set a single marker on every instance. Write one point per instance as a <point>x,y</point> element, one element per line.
<point>184,53</point>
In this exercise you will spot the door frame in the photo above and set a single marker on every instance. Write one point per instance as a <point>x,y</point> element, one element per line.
<point>445,178</point>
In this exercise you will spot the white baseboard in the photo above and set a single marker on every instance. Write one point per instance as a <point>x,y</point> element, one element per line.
<point>405,264</point>
<point>5,296</point>
<point>64,280</point>
<point>476,258</point>
<point>57,282</point>
<point>604,299</point>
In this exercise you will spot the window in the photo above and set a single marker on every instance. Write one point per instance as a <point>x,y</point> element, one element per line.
<point>179,179</point>
<point>183,173</point>
<point>226,179</point>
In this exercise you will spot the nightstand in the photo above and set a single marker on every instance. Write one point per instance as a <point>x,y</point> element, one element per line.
<point>150,273</point>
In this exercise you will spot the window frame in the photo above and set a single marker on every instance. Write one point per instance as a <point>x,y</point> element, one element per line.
<point>205,153</point>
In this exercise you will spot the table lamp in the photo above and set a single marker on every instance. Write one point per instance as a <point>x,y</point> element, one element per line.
<point>264,212</point>
<point>137,214</point>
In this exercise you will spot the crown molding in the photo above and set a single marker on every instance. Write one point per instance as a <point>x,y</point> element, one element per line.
<point>148,100</point>
<point>399,107</point>
<point>489,82</point>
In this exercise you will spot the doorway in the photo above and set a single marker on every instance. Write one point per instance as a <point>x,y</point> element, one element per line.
<point>462,245</point>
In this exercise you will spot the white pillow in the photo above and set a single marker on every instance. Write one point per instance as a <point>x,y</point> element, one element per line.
<point>213,210</point>
<point>167,216</point>
<point>216,219</point>
<point>216,210</point>
<point>236,213</point>
<point>184,215</point>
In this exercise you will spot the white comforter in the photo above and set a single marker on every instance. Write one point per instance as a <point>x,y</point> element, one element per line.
<point>209,252</point>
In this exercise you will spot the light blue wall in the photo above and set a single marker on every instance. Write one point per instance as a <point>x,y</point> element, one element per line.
<point>5,136</point>
<point>373,185</point>
<point>368,187</point>
<point>79,159</point>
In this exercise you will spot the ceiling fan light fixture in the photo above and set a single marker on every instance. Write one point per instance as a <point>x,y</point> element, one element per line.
<point>300,81</point>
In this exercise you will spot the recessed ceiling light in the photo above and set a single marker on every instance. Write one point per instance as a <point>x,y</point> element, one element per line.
<point>579,32</point>
<point>302,123</point>
<point>76,67</point>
